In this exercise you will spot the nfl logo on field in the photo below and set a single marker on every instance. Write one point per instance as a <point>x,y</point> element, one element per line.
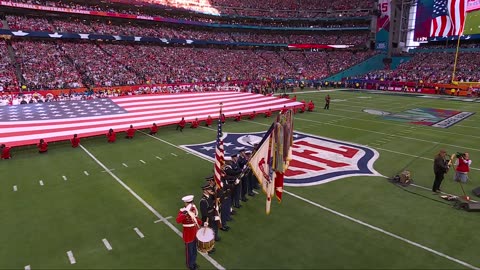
<point>315,160</point>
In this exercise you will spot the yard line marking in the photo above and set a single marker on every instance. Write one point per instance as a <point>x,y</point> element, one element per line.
<point>86,173</point>
<point>125,165</point>
<point>70,257</point>
<point>64,177</point>
<point>41,182</point>
<point>109,170</point>
<point>139,232</point>
<point>158,157</point>
<point>173,154</point>
<point>14,188</point>
<point>384,232</point>
<point>162,220</point>
<point>107,244</point>
<point>148,206</point>
<point>142,161</point>
<point>27,267</point>
<point>355,220</point>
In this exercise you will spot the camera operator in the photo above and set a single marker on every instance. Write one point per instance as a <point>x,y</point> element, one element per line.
<point>462,167</point>
<point>440,168</point>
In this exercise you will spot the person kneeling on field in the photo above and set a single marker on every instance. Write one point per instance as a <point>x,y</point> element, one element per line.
<point>111,136</point>
<point>42,146</point>
<point>194,123</point>
<point>5,152</point>
<point>181,124</point>
<point>75,141</point>
<point>153,129</point>
<point>130,132</point>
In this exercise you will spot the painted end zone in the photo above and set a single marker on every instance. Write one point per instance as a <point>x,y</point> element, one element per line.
<point>439,118</point>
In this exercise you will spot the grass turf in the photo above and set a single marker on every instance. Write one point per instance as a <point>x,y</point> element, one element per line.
<point>41,223</point>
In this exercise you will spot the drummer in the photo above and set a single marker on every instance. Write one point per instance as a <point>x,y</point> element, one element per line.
<point>188,216</point>
<point>207,210</point>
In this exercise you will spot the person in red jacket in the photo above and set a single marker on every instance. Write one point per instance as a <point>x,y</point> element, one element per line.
<point>252,115</point>
<point>153,129</point>
<point>209,121</point>
<point>130,132</point>
<point>294,98</point>
<point>188,217</point>
<point>5,151</point>
<point>223,118</point>
<point>238,117</point>
<point>75,141</point>
<point>462,167</point>
<point>310,106</point>
<point>181,124</point>
<point>284,109</point>
<point>194,123</point>
<point>304,106</point>
<point>111,136</point>
<point>42,146</point>
<point>268,113</point>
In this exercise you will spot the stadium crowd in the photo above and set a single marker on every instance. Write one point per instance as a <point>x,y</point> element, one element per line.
<point>64,64</point>
<point>164,31</point>
<point>434,67</point>
<point>8,79</point>
<point>253,8</point>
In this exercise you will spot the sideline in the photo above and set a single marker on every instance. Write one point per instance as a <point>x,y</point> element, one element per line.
<point>149,207</point>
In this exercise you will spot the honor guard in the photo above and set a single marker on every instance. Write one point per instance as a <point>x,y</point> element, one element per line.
<point>187,216</point>
<point>242,164</point>
<point>207,210</point>
<point>232,172</point>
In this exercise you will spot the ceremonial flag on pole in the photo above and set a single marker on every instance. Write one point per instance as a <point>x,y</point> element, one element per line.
<point>219,153</point>
<point>261,165</point>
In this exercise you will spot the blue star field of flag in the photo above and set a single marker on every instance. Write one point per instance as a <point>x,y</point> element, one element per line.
<point>59,110</point>
<point>440,8</point>
<point>233,143</point>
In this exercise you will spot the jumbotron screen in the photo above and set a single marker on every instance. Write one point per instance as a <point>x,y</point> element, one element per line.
<point>446,18</point>
<point>202,6</point>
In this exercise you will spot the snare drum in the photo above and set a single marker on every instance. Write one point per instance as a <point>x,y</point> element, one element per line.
<point>205,239</point>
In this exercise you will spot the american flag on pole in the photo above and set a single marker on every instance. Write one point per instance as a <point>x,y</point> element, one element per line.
<point>219,153</point>
<point>57,121</point>
<point>448,18</point>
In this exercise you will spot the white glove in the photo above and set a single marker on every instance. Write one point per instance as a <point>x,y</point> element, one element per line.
<point>217,218</point>
<point>183,209</point>
<point>205,224</point>
<point>237,181</point>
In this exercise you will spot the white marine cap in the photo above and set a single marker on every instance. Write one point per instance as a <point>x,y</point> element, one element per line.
<point>227,158</point>
<point>188,198</point>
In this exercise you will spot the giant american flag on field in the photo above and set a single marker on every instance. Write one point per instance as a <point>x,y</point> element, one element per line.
<point>448,18</point>
<point>56,121</point>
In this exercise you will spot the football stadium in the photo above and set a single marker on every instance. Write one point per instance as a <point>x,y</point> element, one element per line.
<point>253,134</point>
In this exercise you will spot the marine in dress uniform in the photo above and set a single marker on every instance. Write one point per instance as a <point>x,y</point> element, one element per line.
<point>242,163</point>
<point>188,217</point>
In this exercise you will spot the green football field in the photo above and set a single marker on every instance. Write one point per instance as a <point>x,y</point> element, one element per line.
<point>472,23</point>
<point>109,195</point>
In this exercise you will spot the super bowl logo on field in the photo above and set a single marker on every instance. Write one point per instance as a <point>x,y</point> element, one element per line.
<point>315,160</point>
